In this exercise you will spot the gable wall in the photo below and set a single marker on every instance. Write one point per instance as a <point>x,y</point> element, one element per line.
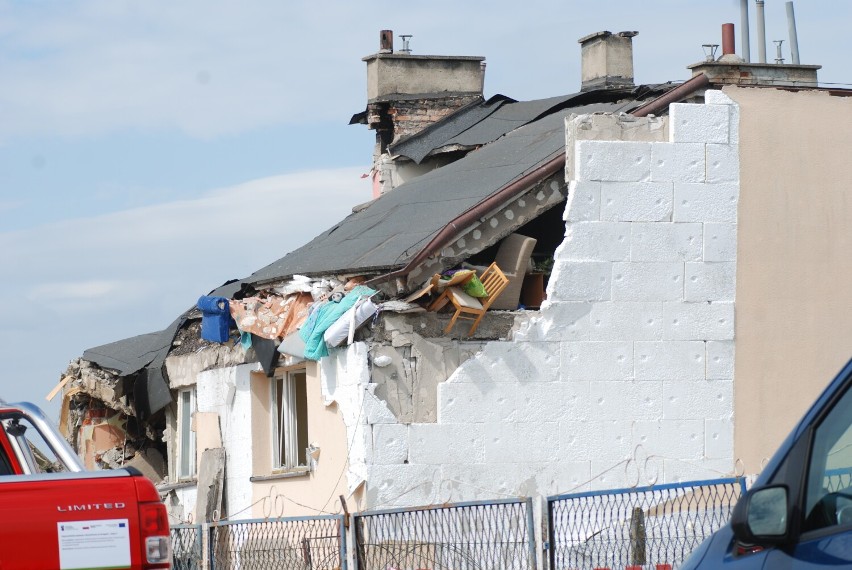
<point>795,267</point>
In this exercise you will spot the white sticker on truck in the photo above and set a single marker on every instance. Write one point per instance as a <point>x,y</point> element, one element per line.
<point>87,545</point>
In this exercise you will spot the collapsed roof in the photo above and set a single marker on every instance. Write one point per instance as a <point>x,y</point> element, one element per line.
<point>513,142</point>
<point>512,139</point>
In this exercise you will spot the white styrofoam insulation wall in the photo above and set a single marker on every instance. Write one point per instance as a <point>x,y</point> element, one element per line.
<point>213,389</point>
<point>626,375</point>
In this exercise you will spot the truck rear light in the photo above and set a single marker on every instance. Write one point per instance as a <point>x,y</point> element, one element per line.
<point>153,519</point>
<point>157,549</point>
<point>154,531</point>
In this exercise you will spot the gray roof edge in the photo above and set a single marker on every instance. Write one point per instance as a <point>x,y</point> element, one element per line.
<point>423,57</point>
<point>425,95</point>
<point>268,281</point>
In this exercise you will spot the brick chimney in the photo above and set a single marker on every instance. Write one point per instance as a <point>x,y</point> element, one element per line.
<point>607,60</point>
<point>406,93</point>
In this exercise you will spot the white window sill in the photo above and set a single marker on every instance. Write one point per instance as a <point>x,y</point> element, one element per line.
<point>283,474</point>
<point>177,485</point>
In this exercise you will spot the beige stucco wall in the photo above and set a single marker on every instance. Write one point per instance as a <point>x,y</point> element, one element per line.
<point>307,494</point>
<point>794,260</point>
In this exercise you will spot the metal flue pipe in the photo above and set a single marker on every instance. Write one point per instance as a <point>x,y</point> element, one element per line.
<point>728,42</point>
<point>794,40</point>
<point>761,32</point>
<point>744,31</point>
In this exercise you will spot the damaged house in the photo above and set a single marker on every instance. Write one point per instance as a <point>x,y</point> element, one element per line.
<point>626,285</point>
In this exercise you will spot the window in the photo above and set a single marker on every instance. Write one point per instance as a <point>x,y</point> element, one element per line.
<point>185,435</point>
<point>829,486</point>
<point>290,421</point>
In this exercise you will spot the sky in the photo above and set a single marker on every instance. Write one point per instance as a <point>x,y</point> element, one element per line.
<point>151,150</point>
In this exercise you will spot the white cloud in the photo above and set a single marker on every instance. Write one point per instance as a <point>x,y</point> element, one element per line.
<point>227,233</point>
<point>73,290</point>
<point>216,67</point>
<point>80,283</point>
<point>206,68</point>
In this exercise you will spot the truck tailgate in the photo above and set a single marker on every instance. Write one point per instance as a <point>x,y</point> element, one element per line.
<point>69,521</point>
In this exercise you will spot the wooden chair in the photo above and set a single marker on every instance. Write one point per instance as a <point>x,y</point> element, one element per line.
<point>470,308</point>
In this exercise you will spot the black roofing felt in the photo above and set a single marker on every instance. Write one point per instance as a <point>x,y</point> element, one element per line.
<point>131,355</point>
<point>482,123</point>
<point>395,226</point>
<point>419,145</point>
<point>125,356</point>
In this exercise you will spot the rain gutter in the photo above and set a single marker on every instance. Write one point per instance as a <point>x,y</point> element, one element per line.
<point>682,91</point>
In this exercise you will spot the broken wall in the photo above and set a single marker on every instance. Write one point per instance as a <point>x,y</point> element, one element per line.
<point>409,358</point>
<point>625,377</point>
<point>227,393</point>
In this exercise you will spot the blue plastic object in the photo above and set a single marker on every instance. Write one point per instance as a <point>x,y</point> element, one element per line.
<point>215,318</point>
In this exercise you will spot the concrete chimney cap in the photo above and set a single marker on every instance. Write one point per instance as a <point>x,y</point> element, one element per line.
<point>605,34</point>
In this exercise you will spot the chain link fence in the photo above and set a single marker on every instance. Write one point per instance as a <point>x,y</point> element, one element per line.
<point>837,480</point>
<point>186,547</point>
<point>493,535</point>
<point>294,543</point>
<point>647,527</point>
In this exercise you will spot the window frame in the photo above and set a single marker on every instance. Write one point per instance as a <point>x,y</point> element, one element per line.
<point>292,428</point>
<point>816,467</point>
<point>190,442</point>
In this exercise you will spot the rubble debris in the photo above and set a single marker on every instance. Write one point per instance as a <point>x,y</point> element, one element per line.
<point>343,329</point>
<point>99,421</point>
<point>322,316</point>
<point>101,434</point>
<point>211,480</point>
<point>271,316</point>
<point>58,388</point>
<point>150,463</point>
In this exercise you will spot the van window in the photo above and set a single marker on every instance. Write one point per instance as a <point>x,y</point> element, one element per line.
<point>828,500</point>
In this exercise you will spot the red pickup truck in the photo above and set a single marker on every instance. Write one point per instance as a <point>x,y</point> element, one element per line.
<point>54,515</point>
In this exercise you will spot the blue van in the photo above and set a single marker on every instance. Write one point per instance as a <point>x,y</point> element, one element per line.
<point>798,514</point>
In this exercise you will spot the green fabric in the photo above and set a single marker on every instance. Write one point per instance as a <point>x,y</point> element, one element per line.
<point>475,288</point>
<point>326,315</point>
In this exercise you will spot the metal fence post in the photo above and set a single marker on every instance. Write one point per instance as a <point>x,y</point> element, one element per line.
<point>531,534</point>
<point>207,562</point>
<point>742,485</point>
<point>343,538</point>
<point>355,529</point>
<point>550,544</point>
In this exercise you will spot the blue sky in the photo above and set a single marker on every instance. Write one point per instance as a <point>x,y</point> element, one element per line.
<point>151,150</point>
